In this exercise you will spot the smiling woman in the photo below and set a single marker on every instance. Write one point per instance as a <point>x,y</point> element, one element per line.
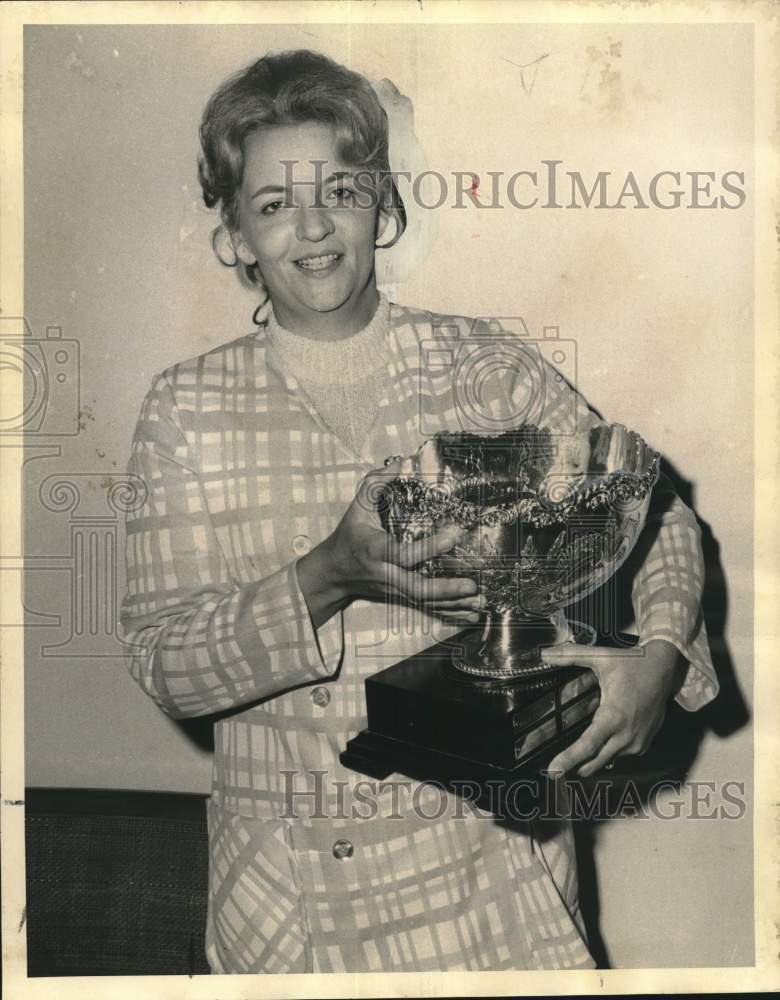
<point>285,143</point>
<point>259,575</point>
<point>309,237</point>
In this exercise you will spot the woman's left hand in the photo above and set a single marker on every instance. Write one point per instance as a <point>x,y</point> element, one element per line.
<point>636,685</point>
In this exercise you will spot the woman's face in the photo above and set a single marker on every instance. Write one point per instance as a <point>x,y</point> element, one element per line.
<point>304,225</point>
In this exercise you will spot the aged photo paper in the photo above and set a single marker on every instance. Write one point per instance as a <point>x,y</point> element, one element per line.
<point>599,178</point>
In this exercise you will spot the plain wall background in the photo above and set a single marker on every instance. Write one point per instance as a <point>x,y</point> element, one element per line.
<point>659,303</point>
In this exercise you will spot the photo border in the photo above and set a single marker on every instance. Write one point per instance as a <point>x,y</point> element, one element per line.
<point>765,975</point>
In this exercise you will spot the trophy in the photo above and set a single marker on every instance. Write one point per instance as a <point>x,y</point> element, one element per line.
<point>545,520</point>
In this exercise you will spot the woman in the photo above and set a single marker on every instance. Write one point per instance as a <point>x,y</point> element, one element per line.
<point>259,580</point>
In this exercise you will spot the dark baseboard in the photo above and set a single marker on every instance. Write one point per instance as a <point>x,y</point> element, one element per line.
<point>117,882</point>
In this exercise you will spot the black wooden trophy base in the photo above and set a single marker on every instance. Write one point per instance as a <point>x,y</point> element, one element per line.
<point>428,721</point>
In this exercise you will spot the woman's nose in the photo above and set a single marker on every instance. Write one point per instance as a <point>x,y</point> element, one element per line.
<point>313,223</point>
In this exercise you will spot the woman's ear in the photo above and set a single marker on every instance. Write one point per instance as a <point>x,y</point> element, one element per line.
<point>241,249</point>
<point>384,218</point>
<point>382,221</point>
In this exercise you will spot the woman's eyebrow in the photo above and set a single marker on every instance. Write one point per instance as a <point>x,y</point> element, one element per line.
<point>270,189</point>
<point>337,175</point>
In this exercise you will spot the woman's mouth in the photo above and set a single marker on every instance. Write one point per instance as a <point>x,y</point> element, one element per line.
<point>320,263</point>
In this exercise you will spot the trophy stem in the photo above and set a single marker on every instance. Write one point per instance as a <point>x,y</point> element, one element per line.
<point>510,642</point>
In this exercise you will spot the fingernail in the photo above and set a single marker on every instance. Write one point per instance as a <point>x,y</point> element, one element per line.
<point>553,772</point>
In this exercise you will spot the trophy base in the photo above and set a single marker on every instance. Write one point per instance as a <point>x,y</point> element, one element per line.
<point>429,721</point>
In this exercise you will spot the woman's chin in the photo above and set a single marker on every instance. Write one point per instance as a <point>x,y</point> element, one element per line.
<point>327,299</point>
<point>309,299</point>
<point>327,304</point>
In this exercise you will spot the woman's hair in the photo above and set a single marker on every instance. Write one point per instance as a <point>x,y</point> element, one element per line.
<point>284,89</point>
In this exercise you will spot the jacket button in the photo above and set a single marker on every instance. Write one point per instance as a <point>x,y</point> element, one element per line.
<point>320,696</point>
<point>301,544</point>
<point>342,850</point>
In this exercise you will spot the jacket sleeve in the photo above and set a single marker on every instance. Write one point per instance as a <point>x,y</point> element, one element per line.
<point>200,640</point>
<point>667,587</point>
<point>667,590</point>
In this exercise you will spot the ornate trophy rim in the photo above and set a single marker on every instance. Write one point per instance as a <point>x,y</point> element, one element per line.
<point>538,535</point>
<point>443,500</point>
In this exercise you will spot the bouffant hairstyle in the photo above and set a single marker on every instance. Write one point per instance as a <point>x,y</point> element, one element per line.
<point>283,89</point>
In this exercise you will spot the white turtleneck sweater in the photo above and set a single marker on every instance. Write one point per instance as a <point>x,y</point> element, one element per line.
<point>345,378</point>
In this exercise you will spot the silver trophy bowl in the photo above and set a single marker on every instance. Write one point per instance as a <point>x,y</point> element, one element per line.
<point>546,519</point>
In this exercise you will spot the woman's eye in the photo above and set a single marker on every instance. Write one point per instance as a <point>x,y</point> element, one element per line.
<point>272,207</point>
<point>346,195</point>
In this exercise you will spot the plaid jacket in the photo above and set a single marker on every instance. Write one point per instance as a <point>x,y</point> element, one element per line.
<point>242,479</point>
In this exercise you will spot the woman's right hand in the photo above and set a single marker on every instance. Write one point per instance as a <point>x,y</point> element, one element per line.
<point>360,559</point>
